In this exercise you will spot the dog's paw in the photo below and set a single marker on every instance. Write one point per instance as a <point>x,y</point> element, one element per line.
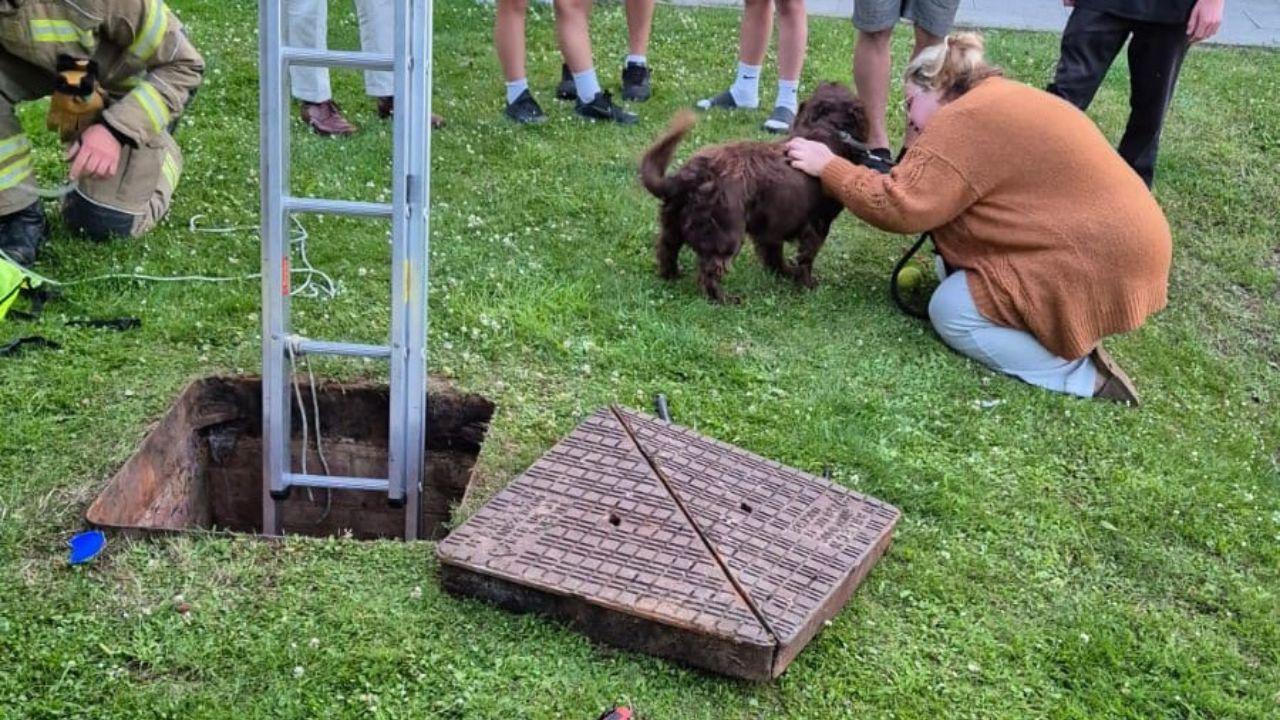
<point>808,282</point>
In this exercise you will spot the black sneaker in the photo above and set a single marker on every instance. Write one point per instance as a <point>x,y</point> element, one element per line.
<point>525,110</point>
<point>601,107</point>
<point>779,121</point>
<point>723,101</point>
<point>635,83</point>
<point>566,90</point>
<point>22,233</point>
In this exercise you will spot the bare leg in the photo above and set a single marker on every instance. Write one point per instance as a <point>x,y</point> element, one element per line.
<point>508,37</point>
<point>923,40</point>
<point>639,24</point>
<point>754,32</point>
<point>572,32</point>
<point>793,38</point>
<point>871,77</point>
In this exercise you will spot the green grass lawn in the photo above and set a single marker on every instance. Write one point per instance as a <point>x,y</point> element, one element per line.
<point>1056,558</point>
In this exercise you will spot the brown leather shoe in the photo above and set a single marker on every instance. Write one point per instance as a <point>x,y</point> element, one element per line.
<point>326,119</point>
<point>1116,385</point>
<point>387,106</point>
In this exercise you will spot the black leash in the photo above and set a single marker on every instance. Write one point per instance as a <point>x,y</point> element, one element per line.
<point>32,341</point>
<point>862,155</point>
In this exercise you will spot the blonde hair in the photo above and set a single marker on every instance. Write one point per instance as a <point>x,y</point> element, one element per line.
<point>953,66</point>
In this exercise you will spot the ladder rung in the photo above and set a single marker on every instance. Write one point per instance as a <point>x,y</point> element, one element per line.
<point>335,482</point>
<point>324,347</point>
<point>336,207</point>
<point>337,58</point>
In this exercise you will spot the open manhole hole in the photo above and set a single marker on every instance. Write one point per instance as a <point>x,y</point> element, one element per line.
<point>200,467</point>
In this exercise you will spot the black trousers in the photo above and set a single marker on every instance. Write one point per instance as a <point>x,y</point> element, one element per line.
<point>1091,42</point>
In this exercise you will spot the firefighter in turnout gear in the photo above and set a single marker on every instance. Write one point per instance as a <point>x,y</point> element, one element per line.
<point>119,73</point>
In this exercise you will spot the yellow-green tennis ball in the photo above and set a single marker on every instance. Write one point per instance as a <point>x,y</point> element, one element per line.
<point>910,277</point>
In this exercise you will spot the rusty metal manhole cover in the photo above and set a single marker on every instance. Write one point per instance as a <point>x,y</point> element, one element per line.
<point>646,535</point>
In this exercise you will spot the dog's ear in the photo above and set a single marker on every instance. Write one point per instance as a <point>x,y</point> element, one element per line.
<point>809,115</point>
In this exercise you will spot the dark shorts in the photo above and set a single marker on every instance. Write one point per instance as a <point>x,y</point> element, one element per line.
<point>933,16</point>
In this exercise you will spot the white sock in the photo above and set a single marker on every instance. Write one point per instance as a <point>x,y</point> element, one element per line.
<point>637,60</point>
<point>787,92</point>
<point>515,88</point>
<point>586,84</point>
<point>746,87</point>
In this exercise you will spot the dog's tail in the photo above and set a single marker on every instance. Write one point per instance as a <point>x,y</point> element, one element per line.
<point>653,166</point>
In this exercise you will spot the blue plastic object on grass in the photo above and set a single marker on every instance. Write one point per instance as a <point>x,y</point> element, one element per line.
<point>86,546</point>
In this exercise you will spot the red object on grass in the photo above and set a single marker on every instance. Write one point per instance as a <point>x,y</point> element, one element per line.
<point>617,713</point>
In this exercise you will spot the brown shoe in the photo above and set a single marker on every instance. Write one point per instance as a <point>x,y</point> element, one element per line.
<point>326,119</point>
<point>387,106</point>
<point>1116,385</point>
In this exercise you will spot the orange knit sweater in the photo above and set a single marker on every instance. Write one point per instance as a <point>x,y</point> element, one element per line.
<point>1059,236</point>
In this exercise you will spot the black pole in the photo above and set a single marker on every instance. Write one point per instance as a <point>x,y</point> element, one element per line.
<point>660,405</point>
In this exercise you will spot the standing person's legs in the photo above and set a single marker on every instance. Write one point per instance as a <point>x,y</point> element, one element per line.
<point>509,40</point>
<point>793,38</point>
<point>572,33</point>
<point>1013,352</point>
<point>753,43</point>
<point>874,20</point>
<point>793,41</point>
<point>574,36</point>
<point>1090,43</point>
<point>306,24</point>
<point>635,69</point>
<point>1155,57</point>
<point>639,25</point>
<point>377,20</point>
<point>932,20</point>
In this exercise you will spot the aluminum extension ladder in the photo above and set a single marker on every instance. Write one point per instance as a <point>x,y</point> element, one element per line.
<point>408,212</point>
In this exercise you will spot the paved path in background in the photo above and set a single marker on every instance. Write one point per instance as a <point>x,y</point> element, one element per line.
<point>1247,22</point>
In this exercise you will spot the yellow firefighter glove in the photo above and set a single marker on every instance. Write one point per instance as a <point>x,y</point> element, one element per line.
<point>78,99</point>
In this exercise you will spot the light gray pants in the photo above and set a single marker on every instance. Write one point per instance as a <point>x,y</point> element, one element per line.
<point>307,25</point>
<point>1012,352</point>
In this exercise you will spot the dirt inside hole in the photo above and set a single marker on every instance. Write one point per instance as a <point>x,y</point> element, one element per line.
<point>200,467</point>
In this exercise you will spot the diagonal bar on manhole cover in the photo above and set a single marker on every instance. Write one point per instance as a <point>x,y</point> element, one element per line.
<point>796,545</point>
<point>590,533</point>
<point>696,527</point>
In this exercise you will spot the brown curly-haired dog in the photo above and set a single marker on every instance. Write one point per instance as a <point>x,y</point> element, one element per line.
<point>725,191</point>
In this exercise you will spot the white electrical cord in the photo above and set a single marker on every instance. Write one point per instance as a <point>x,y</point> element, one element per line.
<point>302,412</point>
<point>318,283</point>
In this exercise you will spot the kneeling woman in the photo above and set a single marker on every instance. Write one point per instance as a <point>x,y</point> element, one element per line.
<point>1050,240</point>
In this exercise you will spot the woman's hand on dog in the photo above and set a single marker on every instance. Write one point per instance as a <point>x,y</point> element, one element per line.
<point>808,156</point>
